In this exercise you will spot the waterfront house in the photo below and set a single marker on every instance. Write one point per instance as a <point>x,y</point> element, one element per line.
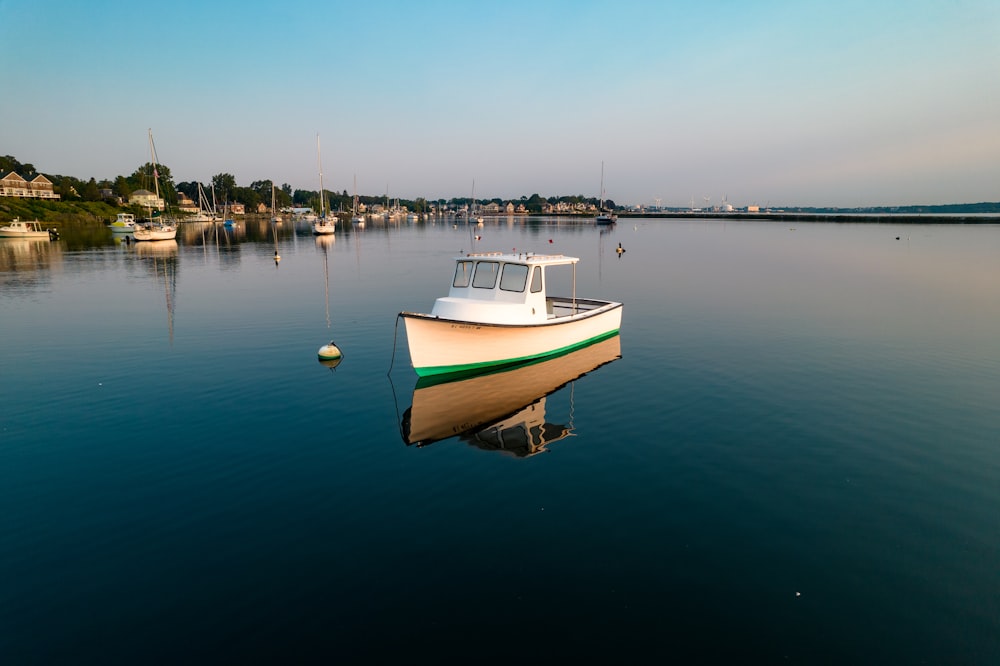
<point>13,185</point>
<point>146,199</point>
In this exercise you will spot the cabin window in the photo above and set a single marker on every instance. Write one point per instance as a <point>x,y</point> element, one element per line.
<point>514,277</point>
<point>536,280</point>
<point>462,274</point>
<point>486,274</point>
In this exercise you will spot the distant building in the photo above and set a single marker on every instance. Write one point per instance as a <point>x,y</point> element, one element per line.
<point>40,187</point>
<point>146,199</point>
<point>185,204</point>
<point>107,194</point>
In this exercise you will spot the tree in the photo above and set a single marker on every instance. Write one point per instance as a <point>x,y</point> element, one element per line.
<point>190,189</point>
<point>10,163</point>
<point>224,184</point>
<point>90,191</point>
<point>122,188</point>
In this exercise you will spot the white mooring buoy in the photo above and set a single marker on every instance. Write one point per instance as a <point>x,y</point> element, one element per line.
<point>329,352</point>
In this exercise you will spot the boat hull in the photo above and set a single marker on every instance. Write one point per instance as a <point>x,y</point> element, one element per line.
<point>33,230</point>
<point>442,346</point>
<point>34,235</point>
<point>443,408</point>
<point>165,233</point>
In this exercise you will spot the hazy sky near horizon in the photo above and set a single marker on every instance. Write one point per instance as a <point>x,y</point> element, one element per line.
<point>780,102</point>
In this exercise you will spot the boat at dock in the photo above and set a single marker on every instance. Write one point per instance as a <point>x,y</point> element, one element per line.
<point>498,312</point>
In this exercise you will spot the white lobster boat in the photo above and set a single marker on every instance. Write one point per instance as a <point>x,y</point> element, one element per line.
<point>498,312</point>
<point>20,229</point>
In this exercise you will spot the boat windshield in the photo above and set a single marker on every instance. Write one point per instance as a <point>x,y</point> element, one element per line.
<point>486,274</point>
<point>514,277</point>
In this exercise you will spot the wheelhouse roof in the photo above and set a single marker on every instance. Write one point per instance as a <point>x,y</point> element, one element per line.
<point>528,258</point>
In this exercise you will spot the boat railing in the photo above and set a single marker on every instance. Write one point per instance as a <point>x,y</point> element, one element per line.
<point>556,307</point>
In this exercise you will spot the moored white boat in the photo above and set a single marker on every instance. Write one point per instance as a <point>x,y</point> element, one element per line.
<point>498,312</point>
<point>604,216</point>
<point>153,229</point>
<point>323,226</point>
<point>357,218</point>
<point>124,223</point>
<point>19,229</point>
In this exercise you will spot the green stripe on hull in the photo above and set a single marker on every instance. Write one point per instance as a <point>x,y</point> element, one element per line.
<point>474,368</point>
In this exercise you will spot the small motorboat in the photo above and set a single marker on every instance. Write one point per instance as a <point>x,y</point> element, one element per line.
<point>19,229</point>
<point>498,313</point>
<point>124,223</point>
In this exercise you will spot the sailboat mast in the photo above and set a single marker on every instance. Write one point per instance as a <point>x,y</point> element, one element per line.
<point>152,156</point>
<point>601,206</point>
<point>319,164</point>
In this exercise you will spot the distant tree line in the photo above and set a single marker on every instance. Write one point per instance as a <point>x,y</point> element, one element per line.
<point>226,189</point>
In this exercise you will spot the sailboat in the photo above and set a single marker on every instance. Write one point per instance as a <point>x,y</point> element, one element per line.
<point>356,218</point>
<point>322,226</point>
<point>206,212</point>
<point>474,215</point>
<point>275,218</point>
<point>154,230</point>
<point>604,216</point>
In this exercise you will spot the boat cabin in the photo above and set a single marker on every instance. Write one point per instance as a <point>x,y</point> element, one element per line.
<point>26,227</point>
<point>499,288</point>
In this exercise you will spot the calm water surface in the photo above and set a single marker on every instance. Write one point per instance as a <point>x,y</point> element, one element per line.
<point>790,452</point>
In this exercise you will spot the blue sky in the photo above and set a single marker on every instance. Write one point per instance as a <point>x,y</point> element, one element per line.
<point>849,103</point>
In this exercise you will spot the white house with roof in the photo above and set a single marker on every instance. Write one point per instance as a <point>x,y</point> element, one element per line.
<point>146,199</point>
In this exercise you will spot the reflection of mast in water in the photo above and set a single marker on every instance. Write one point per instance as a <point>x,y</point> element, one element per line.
<point>274,228</point>
<point>169,289</point>
<point>329,354</point>
<point>357,250</point>
<point>164,255</point>
<point>325,241</point>
<point>600,251</point>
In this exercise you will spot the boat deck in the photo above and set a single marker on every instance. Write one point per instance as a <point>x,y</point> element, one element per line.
<point>558,306</point>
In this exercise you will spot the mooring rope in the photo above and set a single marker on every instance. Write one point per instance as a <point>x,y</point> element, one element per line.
<point>395,332</point>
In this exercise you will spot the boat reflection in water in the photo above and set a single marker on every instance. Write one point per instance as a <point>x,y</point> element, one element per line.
<point>162,258</point>
<point>503,410</point>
